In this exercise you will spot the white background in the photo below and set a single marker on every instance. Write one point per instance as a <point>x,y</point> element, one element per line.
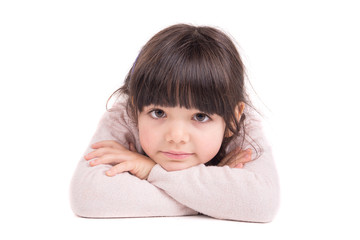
<point>61,60</point>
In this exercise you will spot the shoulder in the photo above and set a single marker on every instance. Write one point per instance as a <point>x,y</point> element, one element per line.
<point>119,124</point>
<point>252,136</point>
<point>256,139</point>
<point>117,114</point>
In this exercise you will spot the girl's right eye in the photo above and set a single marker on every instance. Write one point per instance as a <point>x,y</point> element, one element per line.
<point>157,113</point>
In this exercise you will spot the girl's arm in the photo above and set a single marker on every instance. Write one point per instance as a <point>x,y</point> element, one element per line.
<point>247,194</point>
<point>95,195</point>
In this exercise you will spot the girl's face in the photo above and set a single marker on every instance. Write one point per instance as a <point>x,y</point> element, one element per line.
<point>178,138</point>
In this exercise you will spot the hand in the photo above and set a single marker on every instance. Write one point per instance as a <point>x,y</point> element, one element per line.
<point>236,158</point>
<point>123,159</point>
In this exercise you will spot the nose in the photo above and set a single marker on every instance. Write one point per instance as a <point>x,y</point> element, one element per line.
<point>177,133</point>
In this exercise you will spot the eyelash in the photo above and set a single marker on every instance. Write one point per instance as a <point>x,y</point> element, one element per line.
<point>152,114</point>
<point>205,115</point>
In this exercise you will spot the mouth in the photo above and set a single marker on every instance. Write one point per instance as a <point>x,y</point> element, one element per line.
<point>176,155</point>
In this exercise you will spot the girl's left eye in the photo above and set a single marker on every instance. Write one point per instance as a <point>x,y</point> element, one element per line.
<point>201,117</point>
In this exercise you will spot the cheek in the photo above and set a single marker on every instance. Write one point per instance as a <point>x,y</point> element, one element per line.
<point>209,145</point>
<point>147,139</point>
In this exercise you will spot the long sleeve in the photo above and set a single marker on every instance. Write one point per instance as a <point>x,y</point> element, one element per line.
<point>95,195</point>
<point>247,194</point>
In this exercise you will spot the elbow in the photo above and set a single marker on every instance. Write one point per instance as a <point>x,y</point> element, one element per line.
<point>86,197</point>
<point>79,208</point>
<point>259,205</point>
<point>94,195</point>
<point>261,210</point>
<point>264,211</point>
<point>80,201</point>
<point>89,192</point>
<point>89,203</point>
<point>255,207</point>
<point>264,206</point>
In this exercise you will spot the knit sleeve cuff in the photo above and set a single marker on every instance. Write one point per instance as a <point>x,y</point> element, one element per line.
<point>155,171</point>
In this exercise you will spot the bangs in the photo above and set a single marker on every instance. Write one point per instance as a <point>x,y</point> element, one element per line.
<point>191,78</point>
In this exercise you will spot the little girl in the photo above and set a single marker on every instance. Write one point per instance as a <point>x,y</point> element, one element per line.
<point>181,138</point>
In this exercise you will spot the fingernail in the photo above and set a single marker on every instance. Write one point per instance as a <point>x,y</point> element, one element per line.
<point>109,173</point>
<point>249,152</point>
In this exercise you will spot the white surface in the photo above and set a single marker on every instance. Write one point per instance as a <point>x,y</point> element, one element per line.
<point>60,61</point>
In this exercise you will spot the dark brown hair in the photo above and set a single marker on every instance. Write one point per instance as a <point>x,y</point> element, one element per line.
<point>191,67</point>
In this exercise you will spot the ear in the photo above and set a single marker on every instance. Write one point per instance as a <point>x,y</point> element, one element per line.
<point>239,110</point>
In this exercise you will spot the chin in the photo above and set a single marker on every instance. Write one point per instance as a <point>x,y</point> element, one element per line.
<point>175,166</point>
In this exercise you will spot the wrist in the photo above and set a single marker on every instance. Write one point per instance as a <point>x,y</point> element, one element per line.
<point>151,165</point>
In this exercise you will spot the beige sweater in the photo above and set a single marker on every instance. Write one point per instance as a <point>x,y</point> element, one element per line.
<point>247,194</point>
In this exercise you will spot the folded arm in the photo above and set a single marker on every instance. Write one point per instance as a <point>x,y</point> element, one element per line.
<point>249,194</point>
<point>93,194</point>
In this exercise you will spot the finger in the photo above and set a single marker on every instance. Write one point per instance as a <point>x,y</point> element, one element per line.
<point>240,165</point>
<point>108,159</point>
<point>247,157</point>
<point>240,161</point>
<point>236,158</point>
<point>106,143</point>
<point>132,147</point>
<point>228,157</point>
<point>119,168</point>
<point>98,153</point>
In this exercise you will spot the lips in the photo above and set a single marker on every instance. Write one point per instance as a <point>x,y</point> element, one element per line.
<point>177,155</point>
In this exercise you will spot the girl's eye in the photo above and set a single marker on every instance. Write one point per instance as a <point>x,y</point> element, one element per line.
<point>157,113</point>
<point>201,117</point>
